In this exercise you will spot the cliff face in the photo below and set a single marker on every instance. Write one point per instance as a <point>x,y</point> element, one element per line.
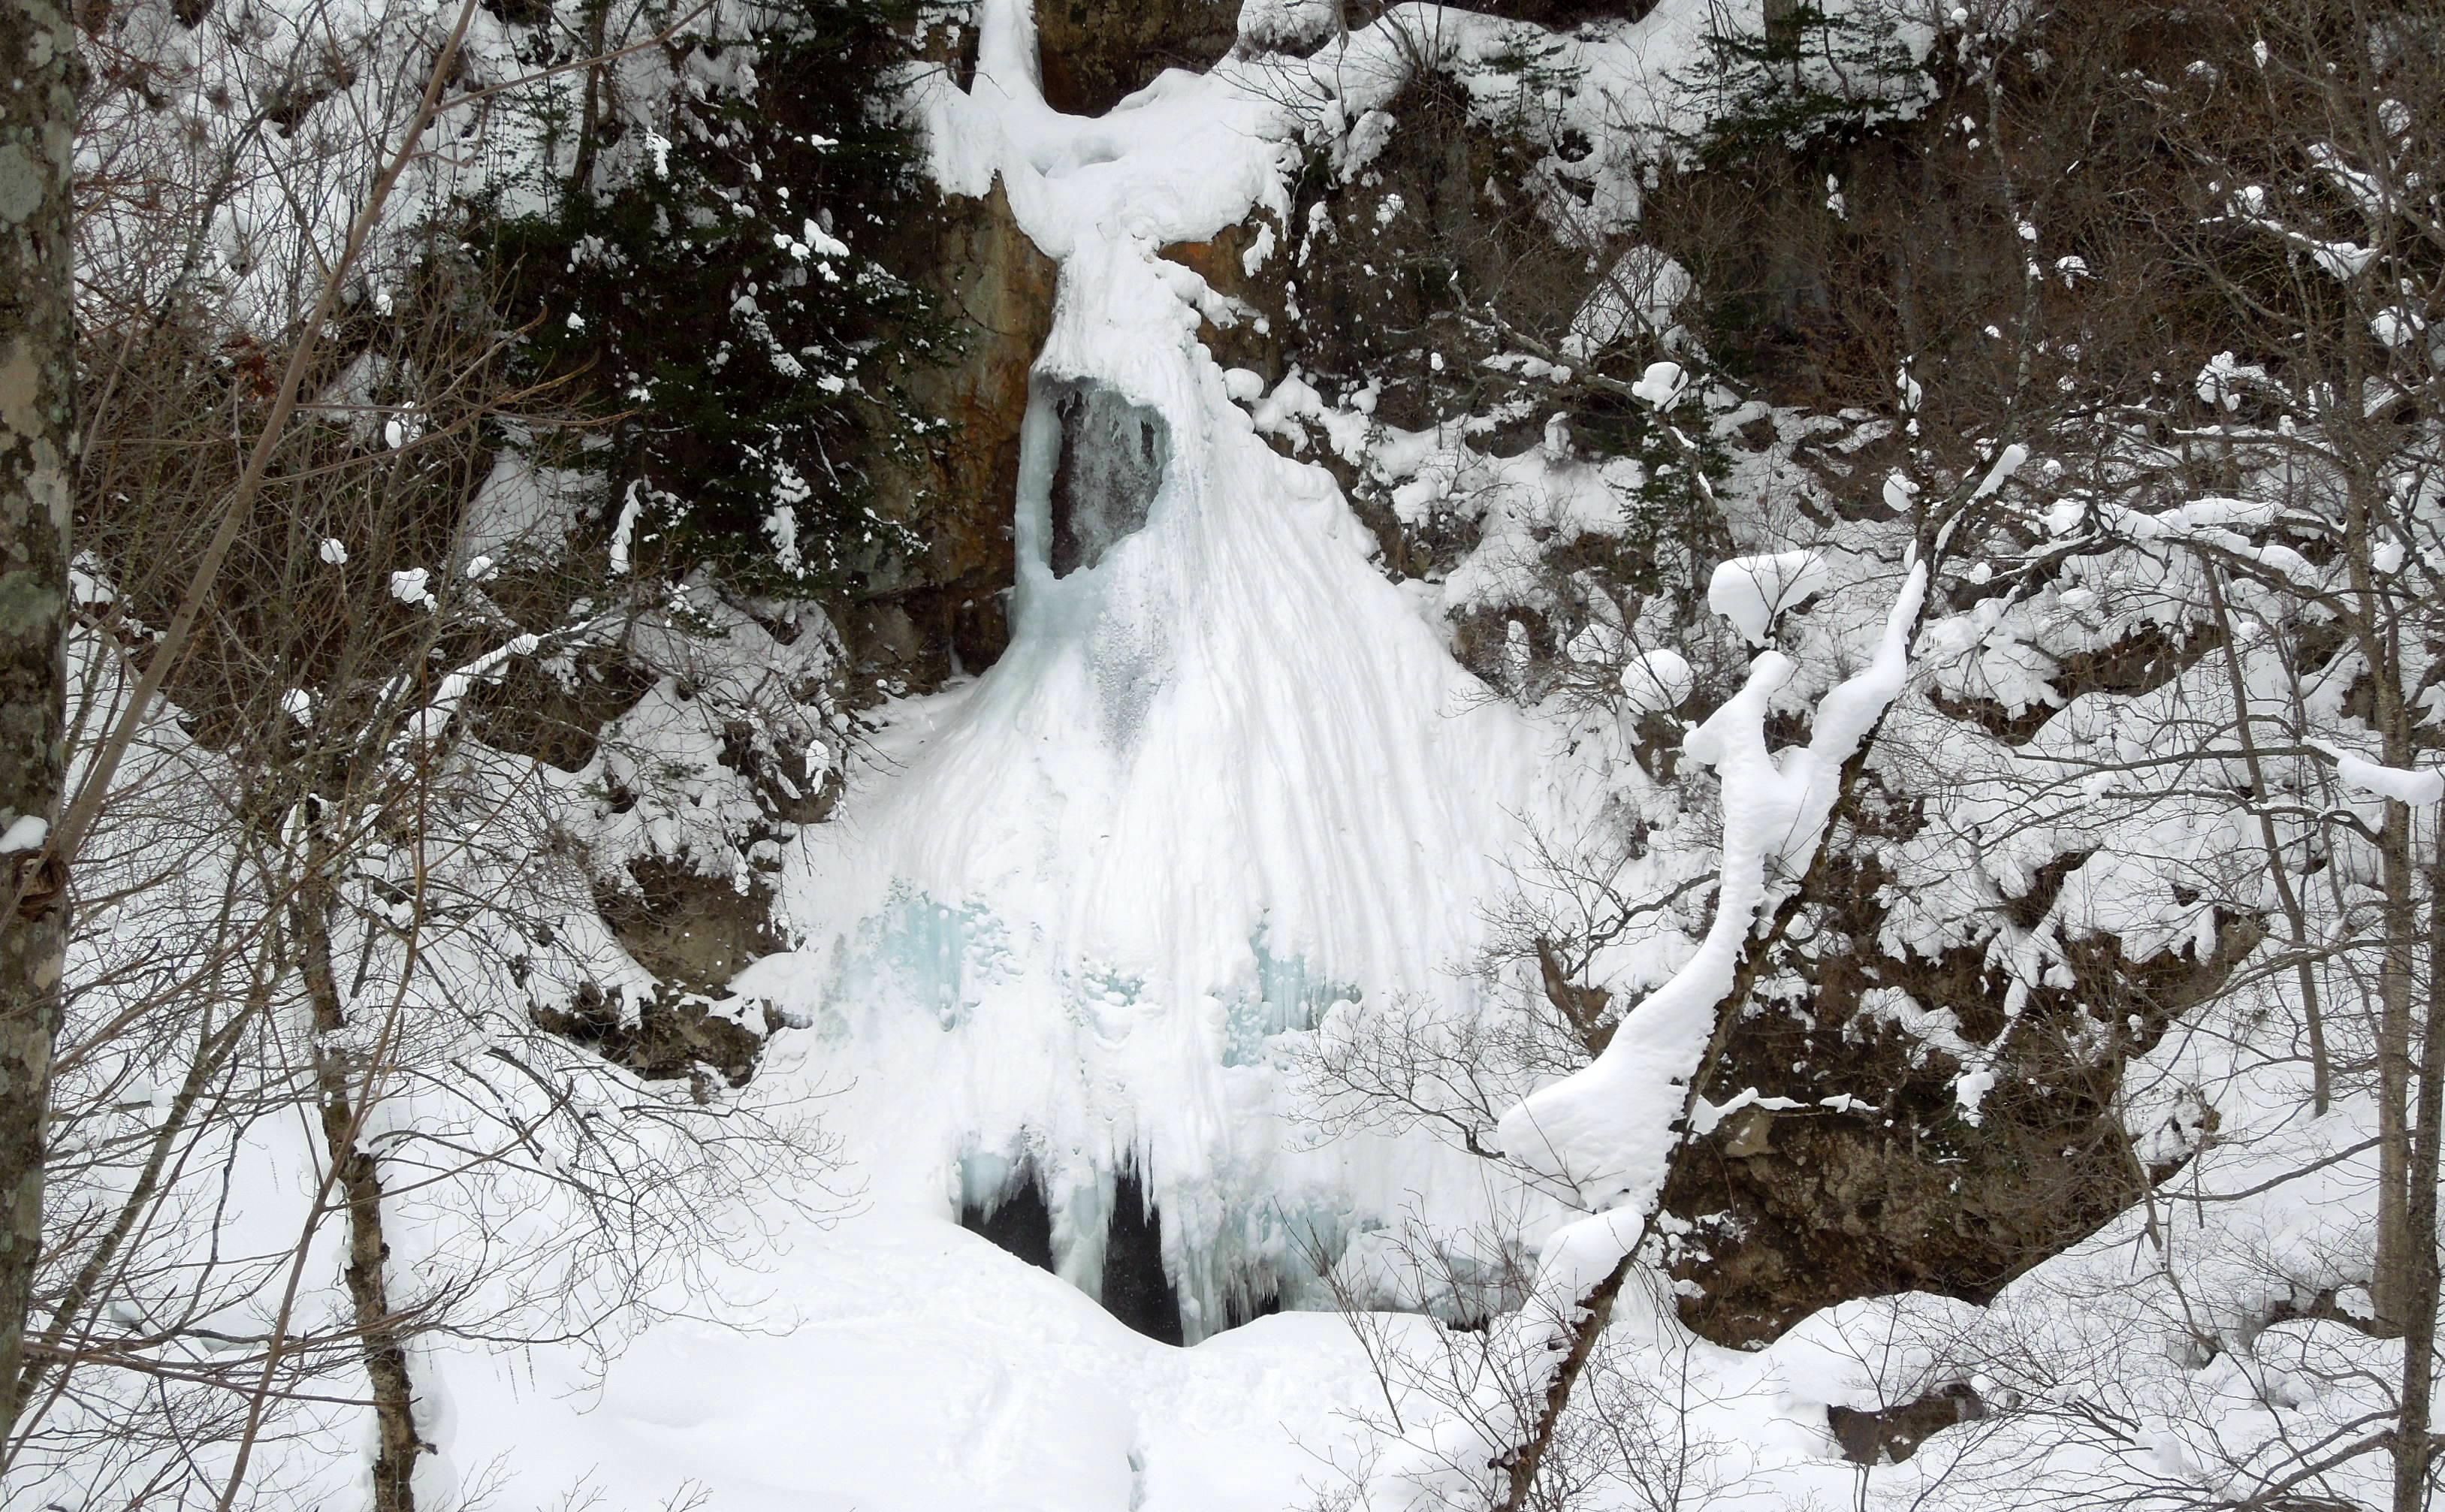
<point>1891,1187</point>
<point>1095,54</point>
<point>1412,450</point>
<point>949,612</point>
<point>1382,279</point>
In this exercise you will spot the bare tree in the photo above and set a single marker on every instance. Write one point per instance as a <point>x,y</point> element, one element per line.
<point>321,891</point>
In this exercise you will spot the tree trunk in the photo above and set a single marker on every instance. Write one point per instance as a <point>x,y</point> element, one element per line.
<point>2412,1449</point>
<point>2394,1284</point>
<point>37,384</point>
<point>1520,1465</point>
<point>589,117</point>
<point>2376,635</point>
<point>379,1331</point>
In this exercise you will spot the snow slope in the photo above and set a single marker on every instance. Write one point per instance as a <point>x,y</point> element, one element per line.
<point>904,1365</point>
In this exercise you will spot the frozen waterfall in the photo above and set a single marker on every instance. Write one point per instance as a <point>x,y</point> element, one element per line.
<point>1224,776</point>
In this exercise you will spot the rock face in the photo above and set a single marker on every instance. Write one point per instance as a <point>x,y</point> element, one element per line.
<point>1895,1434</point>
<point>1369,285</point>
<point>918,624</point>
<point>948,612</point>
<point>693,932</point>
<point>672,1040</point>
<point>1899,1188</point>
<point>1786,1212</point>
<point>1096,52</point>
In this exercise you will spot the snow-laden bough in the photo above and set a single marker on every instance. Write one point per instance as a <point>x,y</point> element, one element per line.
<point>1606,1134</point>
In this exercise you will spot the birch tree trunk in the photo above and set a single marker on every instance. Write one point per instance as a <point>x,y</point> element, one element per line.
<point>37,121</point>
<point>344,1103</point>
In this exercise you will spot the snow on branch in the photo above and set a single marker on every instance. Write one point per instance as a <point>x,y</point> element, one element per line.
<point>1606,1133</point>
<point>2402,785</point>
<point>1751,590</point>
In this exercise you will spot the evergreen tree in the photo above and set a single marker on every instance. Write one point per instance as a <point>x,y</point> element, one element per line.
<point>727,307</point>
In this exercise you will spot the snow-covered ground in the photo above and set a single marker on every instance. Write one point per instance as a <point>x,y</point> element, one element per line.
<point>902,1364</point>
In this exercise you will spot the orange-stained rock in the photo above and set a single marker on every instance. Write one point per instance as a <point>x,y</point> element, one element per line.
<point>947,611</point>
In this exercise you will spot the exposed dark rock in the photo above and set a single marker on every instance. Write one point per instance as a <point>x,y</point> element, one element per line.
<point>1893,1434</point>
<point>947,614</point>
<point>1099,53</point>
<point>1898,1190</point>
<point>534,713</point>
<point>1112,462</point>
<point>2141,662</point>
<point>1376,282</point>
<point>665,1041</point>
<point>1585,1009</point>
<point>692,932</point>
<point>1392,271</point>
<point>1256,343</point>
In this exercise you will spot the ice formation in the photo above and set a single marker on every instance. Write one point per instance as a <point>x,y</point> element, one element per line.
<point>1223,778</point>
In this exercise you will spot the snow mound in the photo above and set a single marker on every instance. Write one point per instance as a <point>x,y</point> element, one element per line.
<point>1751,590</point>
